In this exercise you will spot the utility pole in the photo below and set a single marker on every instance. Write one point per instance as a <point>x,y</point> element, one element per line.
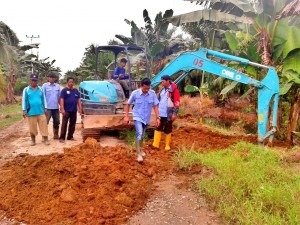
<point>32,37</point>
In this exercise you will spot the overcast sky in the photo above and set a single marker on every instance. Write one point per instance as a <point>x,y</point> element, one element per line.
<point>67,27</point>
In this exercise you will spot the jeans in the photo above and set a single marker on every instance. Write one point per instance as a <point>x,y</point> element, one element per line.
<point>139,129</point>
<point>54,113</point>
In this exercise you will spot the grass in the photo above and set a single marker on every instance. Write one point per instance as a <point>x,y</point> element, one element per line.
<point>217,127</point>
<point>129,136</point>
<point>250,185</point>
<point>9,114</point>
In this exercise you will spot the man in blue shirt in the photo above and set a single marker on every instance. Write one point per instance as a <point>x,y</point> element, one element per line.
<point>69,100</point>
<point>169,100</point>
<point>34,107</point>
<point>144,100</point>
<point>52,93</point>
<point>121,77</point>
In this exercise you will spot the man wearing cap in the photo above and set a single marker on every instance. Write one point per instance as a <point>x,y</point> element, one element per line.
<point>169,98</point>
<point>52,93</point>
<point>121,77</point>
<point>34,107</point>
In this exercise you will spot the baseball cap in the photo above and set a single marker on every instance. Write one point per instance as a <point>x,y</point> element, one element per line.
<point>166,77</point>
<point>34,77</point>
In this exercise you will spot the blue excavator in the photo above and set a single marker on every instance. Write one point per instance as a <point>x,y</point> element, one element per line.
<point>104,93</point>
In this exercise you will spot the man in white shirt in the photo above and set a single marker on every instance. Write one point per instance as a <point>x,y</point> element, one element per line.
<point>52,93</point>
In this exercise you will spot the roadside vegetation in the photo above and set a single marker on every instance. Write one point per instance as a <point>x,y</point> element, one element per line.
<point>129,136</point>
<point>9,114</point>
<point>249,184</point>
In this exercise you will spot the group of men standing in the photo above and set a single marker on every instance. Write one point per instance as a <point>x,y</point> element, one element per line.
<point>40,104</point>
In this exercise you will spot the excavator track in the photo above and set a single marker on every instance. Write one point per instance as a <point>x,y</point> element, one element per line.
<point>91,132</point>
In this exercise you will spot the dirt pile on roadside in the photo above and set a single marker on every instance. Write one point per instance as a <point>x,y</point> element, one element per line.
<point>88,184</point>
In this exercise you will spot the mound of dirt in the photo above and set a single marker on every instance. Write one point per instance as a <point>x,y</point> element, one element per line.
<point>88,184</point>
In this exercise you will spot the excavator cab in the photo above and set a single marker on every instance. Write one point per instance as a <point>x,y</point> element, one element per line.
<point>103,99</point>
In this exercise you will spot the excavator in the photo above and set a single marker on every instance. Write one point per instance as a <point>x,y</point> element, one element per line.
<point>208,61</point>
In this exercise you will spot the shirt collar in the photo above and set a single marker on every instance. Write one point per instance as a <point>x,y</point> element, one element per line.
<point>141,93</point>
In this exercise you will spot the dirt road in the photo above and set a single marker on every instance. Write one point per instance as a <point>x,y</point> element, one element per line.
<point>101,183</point>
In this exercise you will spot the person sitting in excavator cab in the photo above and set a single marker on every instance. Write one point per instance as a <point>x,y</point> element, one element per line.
<point>121,77</point>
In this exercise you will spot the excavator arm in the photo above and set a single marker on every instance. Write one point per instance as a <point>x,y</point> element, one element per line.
<point>268,88</point>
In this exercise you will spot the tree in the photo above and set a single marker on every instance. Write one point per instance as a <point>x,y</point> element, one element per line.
<point>156,37</point>
<point>8,58</point>
<point>271,33</point>
<point>276,33</point>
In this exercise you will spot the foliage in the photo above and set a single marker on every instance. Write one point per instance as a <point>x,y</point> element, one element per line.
<point>191,89</point>
<point>9,114</point>
<point>16,63</point>
<point>3,88</point>
<point>21,83</point>
<point>157,38</point>
<point>250,185</point>
<point>129,136</point>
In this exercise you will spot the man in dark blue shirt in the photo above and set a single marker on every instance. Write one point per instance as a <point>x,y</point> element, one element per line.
<point>69,100</point>
<point>121,77</point>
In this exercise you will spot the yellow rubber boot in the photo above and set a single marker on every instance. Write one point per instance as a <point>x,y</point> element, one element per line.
<point>156,140</point>
<point>168,141</point>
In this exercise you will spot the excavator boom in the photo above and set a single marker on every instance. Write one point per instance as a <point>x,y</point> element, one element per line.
<point>268,88</point>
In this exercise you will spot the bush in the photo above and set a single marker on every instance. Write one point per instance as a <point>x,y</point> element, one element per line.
<point>21,83</point>
<point>3,88</point>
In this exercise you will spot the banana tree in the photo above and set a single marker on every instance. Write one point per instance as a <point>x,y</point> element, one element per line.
<point>270,29</point>
<point>156,37</point>
<point>211,22</point>
<point>8,58</point>
<point>274,35</point>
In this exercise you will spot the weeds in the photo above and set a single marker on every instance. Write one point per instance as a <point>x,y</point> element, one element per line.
<point>250,185</point>
<point>129,136</point>
<point>9,114</point>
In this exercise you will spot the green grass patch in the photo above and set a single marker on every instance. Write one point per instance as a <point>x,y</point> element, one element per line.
<point>217,127</point>
<point>250,185</point>
<point>129,136</point>
<point>9,114</point>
